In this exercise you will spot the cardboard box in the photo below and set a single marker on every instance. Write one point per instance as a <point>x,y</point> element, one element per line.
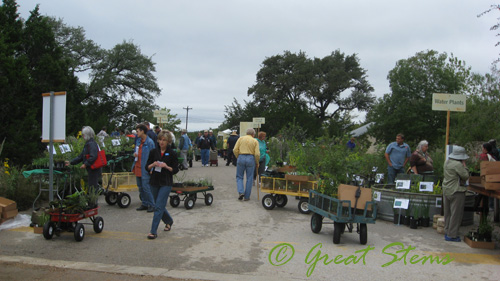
<point>348,192</point>
<point>289,177</point>
<point>4,220</point>
<point>490,168</point>
<point>474,179</point>
<point>490,185</point>
<point>492,178</point>
<point>479,244</point>
<point>286,169</point>
<point>7,204</point>
<point>9,214</point>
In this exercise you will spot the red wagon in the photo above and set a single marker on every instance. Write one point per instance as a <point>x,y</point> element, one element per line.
<point>60,221</point>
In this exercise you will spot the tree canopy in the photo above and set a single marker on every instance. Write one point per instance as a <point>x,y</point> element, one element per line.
<point>408,108</point>
<point>42,54</point>
<point>311,92</point>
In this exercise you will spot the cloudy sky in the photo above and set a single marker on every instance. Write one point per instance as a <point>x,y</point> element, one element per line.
<point>207,52</point>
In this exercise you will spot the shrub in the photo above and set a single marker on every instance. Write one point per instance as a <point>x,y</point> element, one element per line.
<point>14,186</point>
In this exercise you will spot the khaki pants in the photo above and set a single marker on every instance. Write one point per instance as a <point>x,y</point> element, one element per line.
<point>453,213</point>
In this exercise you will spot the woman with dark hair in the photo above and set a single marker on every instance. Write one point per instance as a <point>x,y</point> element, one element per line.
<point>486,155</point>
<point>494,149</point>
<point>162,165</point>
<point>88,157</point>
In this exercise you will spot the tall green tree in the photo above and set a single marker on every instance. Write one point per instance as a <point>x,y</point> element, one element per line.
<point>31,63</point>
<point>316,93</point>
<point>334,75</point>
<point>481,120</point>
<point>408,108</point>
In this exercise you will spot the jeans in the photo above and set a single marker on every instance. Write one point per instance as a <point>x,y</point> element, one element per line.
<point>392,172</point>
<point>145,191</point>
<point>246,164</point>
<point>160,194</point>
<point>184,154</point>
<point>205,154</point>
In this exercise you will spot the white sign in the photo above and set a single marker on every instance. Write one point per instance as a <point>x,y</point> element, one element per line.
<point>377,195</point>
<point>162,120</point>
<point>439,202</point>
<point>379,177</point>
<point>53,149</point>
<point>401,203</point>
<point>402,184</point>
<point>160,113</point>
<point>116,142</point>
<point>449,102</point>
<point>261,120</point>
<point>64,148</point>
<point>59,120</point>
<point>427,186</point>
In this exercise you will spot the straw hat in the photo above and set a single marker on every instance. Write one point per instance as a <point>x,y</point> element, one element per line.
<point>234,133</point>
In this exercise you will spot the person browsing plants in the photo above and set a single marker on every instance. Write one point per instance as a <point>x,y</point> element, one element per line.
<point>455,173</point>
<point>247,152</point>
<point>162,165</point>
<point>88,157</point>
<point>397,154</point>
<point>143,145</point>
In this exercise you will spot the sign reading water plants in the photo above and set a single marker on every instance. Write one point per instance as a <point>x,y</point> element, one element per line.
<point>448,102</point>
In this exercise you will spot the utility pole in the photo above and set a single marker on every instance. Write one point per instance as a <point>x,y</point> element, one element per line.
<point>187,113</point>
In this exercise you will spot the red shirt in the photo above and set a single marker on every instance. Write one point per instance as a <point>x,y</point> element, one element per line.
<point>137,168</point>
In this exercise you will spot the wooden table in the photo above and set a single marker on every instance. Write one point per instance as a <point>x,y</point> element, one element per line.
<point>486,194</point>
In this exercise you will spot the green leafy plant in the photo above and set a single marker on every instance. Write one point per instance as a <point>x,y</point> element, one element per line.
<point>485,228</point>
<point>425,209</point>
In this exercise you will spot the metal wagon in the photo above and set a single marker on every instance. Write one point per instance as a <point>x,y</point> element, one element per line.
<point>342,215</point>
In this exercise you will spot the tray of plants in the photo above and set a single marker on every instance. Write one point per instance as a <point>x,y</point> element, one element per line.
<point>66,214</point>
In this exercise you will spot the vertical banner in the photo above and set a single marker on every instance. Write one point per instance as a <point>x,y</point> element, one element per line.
<point>59,118</point>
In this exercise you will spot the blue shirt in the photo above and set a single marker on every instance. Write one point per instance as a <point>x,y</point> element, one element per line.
<point>351,145</point>
<point>398,154</point>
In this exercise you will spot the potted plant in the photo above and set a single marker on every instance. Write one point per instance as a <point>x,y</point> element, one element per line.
<point>415,209</point>
<point>484,230</point>
<point>482,237</point>
<point>425,222</point>
<point>42,219</point>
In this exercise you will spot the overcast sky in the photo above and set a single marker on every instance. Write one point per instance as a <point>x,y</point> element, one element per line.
<point>207,52</point>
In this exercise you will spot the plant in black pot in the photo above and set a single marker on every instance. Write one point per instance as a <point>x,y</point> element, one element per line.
<point>425,221</point>
<point>397,218</point>
<point>485,230</point>
<point>408,216</point>
<point>415,209</point>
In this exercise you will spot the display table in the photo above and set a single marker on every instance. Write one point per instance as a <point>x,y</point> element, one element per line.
<point>484,195</point>
<point>41,174</point>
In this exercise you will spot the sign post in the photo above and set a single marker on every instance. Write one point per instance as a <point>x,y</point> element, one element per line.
<point>53,127</point>
<point>448,102</point>
<point>161,115</point>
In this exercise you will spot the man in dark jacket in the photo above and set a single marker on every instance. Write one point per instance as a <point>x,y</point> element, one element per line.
<point>231,141</point>
<point>151,133</point>
<point>205,144</point>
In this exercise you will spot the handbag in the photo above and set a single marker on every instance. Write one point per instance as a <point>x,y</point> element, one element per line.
<point>101,160</point>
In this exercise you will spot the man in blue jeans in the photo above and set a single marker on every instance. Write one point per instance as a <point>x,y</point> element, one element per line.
<point>397,155</point>
<point>205,144</point>
<point>246,150</point>
<point>143,145</point>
